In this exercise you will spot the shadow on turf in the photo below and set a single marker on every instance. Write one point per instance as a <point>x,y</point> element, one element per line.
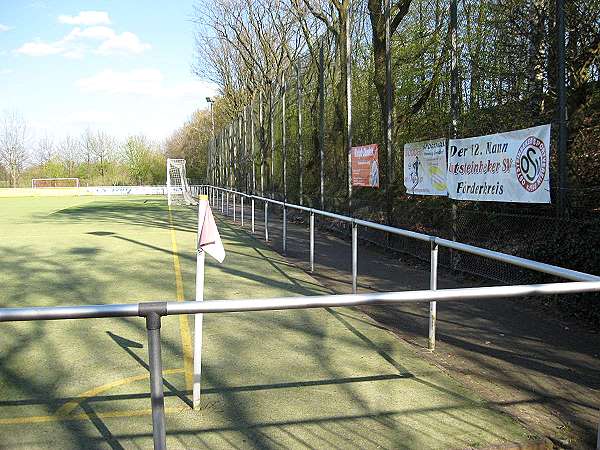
<point>512,345</point>
<point>43,389</point>
<point>127,345</point>
<point>137,212</point>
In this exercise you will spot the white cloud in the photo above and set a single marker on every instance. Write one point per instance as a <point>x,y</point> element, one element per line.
<point>144,82</point>
<point>104,40</point>
<point>86,18</point>
<point>125,42</point>
<point>39,48</point>
<point>100,33</point>
<point>5,28</point>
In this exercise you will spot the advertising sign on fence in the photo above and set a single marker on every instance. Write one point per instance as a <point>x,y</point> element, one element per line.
<point>504,167</point>
<point>365,166</point>
<point>425,167</point>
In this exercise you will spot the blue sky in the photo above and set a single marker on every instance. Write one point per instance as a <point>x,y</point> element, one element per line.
<point>122,66</point>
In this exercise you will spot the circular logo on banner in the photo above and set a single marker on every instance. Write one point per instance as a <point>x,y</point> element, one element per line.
<point>531,163</point>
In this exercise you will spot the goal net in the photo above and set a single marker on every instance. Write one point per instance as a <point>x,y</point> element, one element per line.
<point>178,188</point>
<point>54,182</point>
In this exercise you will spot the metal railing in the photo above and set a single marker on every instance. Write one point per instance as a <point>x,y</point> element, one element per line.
<point>223,195</point>
<point>154,311</point>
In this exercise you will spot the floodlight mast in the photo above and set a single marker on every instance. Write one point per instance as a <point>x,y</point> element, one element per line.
<point>210,157</point>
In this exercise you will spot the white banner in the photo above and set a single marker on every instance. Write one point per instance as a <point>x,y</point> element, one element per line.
<point>504,167</point>
<point>425,167</point>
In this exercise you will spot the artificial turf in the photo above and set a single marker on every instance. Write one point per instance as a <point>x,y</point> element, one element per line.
<point>326,378</point>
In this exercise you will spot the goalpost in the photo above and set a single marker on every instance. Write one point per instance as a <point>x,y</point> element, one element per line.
<point>54,182</point>
<point>178,188</point>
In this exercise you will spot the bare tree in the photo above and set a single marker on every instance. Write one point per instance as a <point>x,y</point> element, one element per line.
<point>45,150</point>
<point>13,144</point>
<point>103,146</point>
<point>68,152</point>
<point>87,142</point>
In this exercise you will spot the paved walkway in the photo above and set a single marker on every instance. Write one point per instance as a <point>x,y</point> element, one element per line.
<point>542,371</point>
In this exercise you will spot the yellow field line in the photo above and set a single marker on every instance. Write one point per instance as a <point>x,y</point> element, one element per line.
<point>63,413</point>
<point>82,416</point>
<point>186,337</point>
<point>68,407</point>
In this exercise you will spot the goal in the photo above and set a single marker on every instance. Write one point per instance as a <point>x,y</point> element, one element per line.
<point>178,188</point>
<point>54,182</point>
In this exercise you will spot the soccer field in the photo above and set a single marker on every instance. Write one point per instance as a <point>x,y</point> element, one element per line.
<point>304,378</point>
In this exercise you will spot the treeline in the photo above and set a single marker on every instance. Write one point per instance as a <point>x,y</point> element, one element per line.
<point>505,55</point>
<point>96,157</point>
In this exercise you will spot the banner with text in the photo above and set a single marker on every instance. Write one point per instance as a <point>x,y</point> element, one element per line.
<point>425,167</point>
<point>365,165</point>
<point>504,167</point>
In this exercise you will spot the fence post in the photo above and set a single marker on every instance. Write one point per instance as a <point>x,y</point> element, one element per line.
<point>227,204</point>
<point>222,202</point>
<point>312,241</point>
<point>153,313</point>
<point>233,207</point>
<point>252,208</point>
<point>433,287</point>
<point>266,221</point>
<point>284,229</point>
<point>242,211</point>
<point>354,256</point>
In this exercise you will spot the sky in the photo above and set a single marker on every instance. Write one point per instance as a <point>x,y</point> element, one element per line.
<point>121,66</point>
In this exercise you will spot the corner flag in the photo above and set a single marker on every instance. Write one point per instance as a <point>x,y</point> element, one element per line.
<point>209,241</point>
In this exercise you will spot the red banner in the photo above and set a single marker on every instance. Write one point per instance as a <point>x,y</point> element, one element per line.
<point>365,165</point>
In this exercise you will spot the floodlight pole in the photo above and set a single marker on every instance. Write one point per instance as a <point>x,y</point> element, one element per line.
<point>388,112</point>
<point>348,44</point>
<point>300,148</point>
<point>322,125</point>
<point>562,110</point>
<point>210,101</point>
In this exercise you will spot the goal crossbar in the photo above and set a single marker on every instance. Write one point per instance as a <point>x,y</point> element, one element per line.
<point>54,182</point>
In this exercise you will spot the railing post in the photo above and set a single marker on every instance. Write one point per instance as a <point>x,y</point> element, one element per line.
<point>252,208</point>
<point>266,221</point>
<point>153,313</point>
<point>222,202</point>
<point>233,207</point>
<point>312,241</point>
<point>354,256</point>
<point>242,211</point>
<point>284,229</point>
<point>433,287</point>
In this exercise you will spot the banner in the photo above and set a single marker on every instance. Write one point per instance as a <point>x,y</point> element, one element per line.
<point>425,167</point>
<point>365,166</point>
<point>504,167</point>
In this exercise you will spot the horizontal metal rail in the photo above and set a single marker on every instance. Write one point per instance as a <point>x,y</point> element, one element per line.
<point>284,303</point>
<point>154,311</point>
<point>525,263</point>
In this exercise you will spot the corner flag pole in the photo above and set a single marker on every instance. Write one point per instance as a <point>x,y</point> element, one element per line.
<point>200,256</point>
<point>209,241</point>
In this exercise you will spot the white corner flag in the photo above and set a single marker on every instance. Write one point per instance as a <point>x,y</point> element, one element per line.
<point>209,241</point>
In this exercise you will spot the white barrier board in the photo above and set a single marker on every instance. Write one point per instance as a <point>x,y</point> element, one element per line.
<point>125,190</point>
<point>503,167</point>
<point>425,167</point>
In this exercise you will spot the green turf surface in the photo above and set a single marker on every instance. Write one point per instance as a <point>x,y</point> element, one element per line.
<point>307,378</point>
